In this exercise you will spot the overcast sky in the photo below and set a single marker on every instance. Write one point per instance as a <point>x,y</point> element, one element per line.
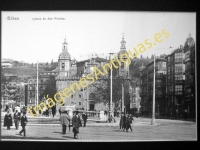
<point>89,32</point>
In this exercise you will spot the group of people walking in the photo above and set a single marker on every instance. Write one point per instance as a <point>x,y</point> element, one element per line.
<point>8,122</point>
<point>76,122</point>
<point>125,122</point>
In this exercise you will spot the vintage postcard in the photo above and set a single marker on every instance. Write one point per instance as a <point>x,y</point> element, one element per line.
<point>98,76</point>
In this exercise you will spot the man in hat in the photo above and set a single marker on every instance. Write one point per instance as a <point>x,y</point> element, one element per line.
<point>24,121</point>
<point>84,116</point>
<point>76,121</point>
<point>64,120</point>
<point>17,117</point>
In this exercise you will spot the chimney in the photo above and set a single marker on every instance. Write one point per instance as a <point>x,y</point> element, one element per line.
<point>181,46</point>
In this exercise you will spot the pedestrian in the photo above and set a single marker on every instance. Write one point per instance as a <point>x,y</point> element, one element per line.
<point>124,122</point>
<point>121,121</point>
<point>128,122</point>
<point>59,110</point>
<point>64,120</point>
<point>76,121</point>
<point>24,121</point>
<point>47,112</point>
<point>17,117</point>
<point>84,116</point>
<point>53,111</point>
<point>8,120</point>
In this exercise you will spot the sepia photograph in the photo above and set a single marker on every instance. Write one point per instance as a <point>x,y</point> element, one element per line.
<point>100,76</point>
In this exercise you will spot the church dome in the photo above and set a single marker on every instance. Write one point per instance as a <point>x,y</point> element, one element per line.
<point>64,54</point>
<point>189,42</point>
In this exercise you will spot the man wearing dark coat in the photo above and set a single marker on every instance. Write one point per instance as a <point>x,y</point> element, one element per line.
<point>24,121</point>
<point>76,121</point>
<point>121,121</point>
<point>53,110</point>
<point>8,120</point>
<point>84,116</point>
<point>124,122</point>
<point>128,122</point>
<point>17,117</point>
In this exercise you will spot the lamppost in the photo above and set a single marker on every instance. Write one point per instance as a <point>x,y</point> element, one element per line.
<point>111,109</point>
<point>153,107</point>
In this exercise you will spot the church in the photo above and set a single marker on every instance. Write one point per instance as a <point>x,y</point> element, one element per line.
<point>69,71</point>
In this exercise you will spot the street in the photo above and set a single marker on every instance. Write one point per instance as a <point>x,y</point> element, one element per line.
<point>163,132</point>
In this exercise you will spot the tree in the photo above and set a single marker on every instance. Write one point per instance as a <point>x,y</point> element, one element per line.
<point>102,90</point>
<point>50,88</point>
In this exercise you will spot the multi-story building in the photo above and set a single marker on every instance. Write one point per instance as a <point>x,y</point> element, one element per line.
<point>189,51</point>
<point>175,82</point>
<point>146,87</point>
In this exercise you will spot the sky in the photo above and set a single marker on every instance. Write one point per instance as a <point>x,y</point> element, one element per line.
<point>89,32</point>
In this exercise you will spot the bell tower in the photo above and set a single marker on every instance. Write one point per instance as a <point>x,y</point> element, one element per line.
<point>64,61</point>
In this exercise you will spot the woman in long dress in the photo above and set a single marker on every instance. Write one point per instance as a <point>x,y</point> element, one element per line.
<point>8,120</point>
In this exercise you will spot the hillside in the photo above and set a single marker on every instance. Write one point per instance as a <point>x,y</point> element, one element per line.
<point>21,71</point>
<point>135,66</point>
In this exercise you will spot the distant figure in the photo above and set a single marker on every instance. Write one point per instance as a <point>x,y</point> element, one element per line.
<point>64,120</point>
<point>24,121</point>
<point>17,117</point>
<point>128,122</point>
<point>8,120</point>
<point>53,111</point>
<point>7,107</point>
<point>84,116</point>
<point>124,122</point>
<point>47,112</point>
<point>121,121</point>
<point>76,121</point>
<point>59,110</point>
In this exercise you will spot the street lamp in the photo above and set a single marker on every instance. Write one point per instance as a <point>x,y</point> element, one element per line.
<point>153,108</point>
<point>111,109</point>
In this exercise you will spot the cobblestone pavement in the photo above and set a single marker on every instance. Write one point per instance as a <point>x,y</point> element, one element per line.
<point>164,132</point>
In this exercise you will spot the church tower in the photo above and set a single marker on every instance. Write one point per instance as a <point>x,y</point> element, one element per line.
<point>123,69</point>
<point>64,61</point>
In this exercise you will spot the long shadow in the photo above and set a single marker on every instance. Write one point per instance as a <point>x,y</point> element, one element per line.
<point>68,137</point>
<point>57,132</point>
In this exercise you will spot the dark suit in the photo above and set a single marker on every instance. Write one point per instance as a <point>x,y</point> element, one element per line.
<point>76,122</point>
<point>8,121</point>
<point>84,119</point>
<point>17,117</point>
<point>23,124</point>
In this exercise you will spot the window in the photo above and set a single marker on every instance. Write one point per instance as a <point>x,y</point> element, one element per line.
<point>63,66</point>
<point>178,89</point>
<point>178,77</point>
<point>178,57</point>
<point>79,96</point>
<point>79,103</point>
<point>178,68</point>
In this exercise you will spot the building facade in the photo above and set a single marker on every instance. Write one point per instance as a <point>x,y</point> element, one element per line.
<point>175,82</point>
<point>146,86</point>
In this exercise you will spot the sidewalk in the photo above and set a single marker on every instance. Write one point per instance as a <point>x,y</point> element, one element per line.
<point>94,122</point>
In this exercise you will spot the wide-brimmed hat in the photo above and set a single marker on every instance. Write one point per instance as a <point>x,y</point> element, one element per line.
<point>76,111</point>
